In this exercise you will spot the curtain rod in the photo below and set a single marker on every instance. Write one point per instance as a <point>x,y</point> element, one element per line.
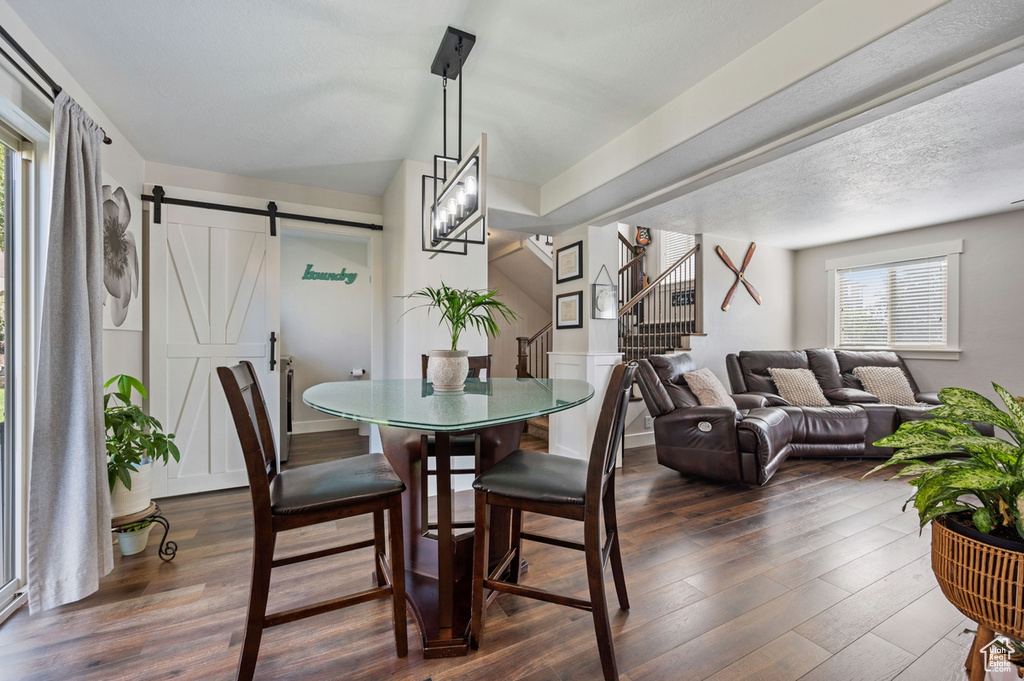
<point>158,198</point>
<point>54,88</point>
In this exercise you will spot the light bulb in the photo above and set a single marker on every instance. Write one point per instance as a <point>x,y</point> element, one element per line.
<point>453,210</point>
<point>442,221</point>
<point>470,185</point>
<point>460,200</point>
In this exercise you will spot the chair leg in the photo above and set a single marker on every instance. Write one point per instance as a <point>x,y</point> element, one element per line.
<point>379,546</point>
<point>515,569</point>
<point>598,600</point>
<point>398,575</point>
<point>612,528</point>
<point>259,589</point>
<point>476,625</point>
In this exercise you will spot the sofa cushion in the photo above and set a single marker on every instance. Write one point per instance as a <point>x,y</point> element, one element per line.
<point>798,387</point>
<point>888,384</point>
<point>828,425</point>
<point>670,370</point>
<point>708,389</point>
<point>754,367</point>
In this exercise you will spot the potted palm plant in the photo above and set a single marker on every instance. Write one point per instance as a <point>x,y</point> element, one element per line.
<point>460,309</point>
<point>976,503</point>
<point>134,441</point>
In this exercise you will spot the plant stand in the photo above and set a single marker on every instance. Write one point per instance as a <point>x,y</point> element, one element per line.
<point>168,549</point>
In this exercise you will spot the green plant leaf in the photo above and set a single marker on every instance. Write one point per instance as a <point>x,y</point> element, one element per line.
<point>936,511</point>
<point>1016,410</point>
<point>1000,450</point>
<point>911,438</point>
<point>982,520</point>
<point>966,405</point>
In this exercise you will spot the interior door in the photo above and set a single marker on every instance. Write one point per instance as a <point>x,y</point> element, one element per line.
<point>214,283</point>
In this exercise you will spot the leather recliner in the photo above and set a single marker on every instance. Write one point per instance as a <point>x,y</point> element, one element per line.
<point>744,445</point>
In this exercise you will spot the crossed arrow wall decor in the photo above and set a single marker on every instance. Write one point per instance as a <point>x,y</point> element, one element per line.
<point>739,276</point>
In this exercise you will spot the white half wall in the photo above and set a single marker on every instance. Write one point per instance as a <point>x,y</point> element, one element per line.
<point>991,279</point>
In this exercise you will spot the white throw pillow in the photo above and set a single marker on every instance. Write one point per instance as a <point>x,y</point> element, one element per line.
<point>799,387</point>
<point>888,384</point>
<point>709,390</point>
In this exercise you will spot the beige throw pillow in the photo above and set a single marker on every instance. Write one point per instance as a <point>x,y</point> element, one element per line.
<point>888,384</point>
<point>709,390</point>
<point>799,387</point>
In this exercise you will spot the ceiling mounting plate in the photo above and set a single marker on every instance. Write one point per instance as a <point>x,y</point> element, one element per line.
<point>446,61</point>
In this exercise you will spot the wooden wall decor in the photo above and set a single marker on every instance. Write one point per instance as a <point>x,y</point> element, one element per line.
<point>739,276</point>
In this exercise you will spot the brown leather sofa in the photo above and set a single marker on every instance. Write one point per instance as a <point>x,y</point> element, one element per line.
<point>856,418</point>
<point>745,445</point>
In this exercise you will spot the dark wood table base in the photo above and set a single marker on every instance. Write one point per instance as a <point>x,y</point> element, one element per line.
<point>439,582</point>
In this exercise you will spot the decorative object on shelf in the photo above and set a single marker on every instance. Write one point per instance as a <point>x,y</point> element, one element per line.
<point>134,441</point>
<point>454,196</point>
<point>739,276</point>
<point>460,309</point>
<point>568,308</point>
<point>569,263</point>
<point>604,298</point>
<point>977,503</point>
<point>643,236</point>
<point>128,530</point>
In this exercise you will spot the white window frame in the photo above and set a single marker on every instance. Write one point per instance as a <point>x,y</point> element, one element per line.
<point>950,249</point>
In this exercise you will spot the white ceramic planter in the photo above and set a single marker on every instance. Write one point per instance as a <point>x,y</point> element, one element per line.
<point>447,370</point>
<point>131,543</point>
<point>125,501</point>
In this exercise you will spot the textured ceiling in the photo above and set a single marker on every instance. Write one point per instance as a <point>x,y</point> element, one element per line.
<point>335,94</point>
<point>956,156</point>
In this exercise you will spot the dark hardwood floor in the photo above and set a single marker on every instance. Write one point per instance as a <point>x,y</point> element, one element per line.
<point>817,575</point>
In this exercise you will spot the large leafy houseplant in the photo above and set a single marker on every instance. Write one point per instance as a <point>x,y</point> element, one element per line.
<point>986,481</point>
<point>465,308</point>
<point>133,437</point>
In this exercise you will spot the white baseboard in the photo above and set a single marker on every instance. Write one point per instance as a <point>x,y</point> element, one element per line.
<point>322,426</point>
<point>639,439</point>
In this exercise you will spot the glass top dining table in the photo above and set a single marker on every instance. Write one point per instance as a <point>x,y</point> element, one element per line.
<point>489,414</point>
<point>411,403</point>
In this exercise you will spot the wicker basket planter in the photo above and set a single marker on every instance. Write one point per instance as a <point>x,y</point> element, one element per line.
<point>983,577</point>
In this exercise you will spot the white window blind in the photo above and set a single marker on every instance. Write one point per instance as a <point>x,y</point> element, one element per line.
<point>674,246</point>
<point>893,305</point>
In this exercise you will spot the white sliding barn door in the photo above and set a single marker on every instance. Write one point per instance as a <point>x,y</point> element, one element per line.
<point>214,302</point>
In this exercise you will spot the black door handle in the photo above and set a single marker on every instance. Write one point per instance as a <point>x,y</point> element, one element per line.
<point>273,350</point>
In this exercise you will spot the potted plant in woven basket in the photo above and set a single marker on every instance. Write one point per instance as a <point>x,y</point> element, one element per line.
<point>134,441</point>
<point>976,503</point>
<point>460,309</point>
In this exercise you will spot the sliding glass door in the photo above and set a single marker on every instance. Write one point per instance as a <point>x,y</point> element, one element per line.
<point>8,536</point>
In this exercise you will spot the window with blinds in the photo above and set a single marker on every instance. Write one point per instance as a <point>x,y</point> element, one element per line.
<point>894,305</point>
<point>674,246</point>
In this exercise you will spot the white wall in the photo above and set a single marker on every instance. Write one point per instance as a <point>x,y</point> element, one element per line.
<point>991,282</point>
<point>408,268</point>
<point>746,325</point>
<point>324,324</point>
<point>532,318</point>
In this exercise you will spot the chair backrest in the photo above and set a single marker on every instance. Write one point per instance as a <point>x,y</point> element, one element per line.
<point>610,423</point>
<point>249,412</point>
<point>476,364</point>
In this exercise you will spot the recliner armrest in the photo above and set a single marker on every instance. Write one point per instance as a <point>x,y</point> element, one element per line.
<point>750,400</point>
<point>681,428</point>
<point>928,398</point>
<point>772,431</point>
<point>771,399</point>
<point>849,396</point>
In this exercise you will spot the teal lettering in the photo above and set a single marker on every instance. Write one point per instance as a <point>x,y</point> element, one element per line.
<point>344,275</point>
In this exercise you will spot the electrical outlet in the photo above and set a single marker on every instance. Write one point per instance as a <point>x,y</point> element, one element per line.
<point>648,422</point>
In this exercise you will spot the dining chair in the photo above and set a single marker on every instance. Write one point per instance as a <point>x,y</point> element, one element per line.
<point>477,363</point>
<point>304,496</point>
<point>564,487</point>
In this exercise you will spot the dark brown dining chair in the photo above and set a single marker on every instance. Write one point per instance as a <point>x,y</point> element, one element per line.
<point>560,486</point>
<point>305,496</point>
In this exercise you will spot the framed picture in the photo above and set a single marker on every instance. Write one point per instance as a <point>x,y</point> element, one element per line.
<point>605,301</point>
<point>569,262</point>
<point>568,310</point>
<point>122,258</point>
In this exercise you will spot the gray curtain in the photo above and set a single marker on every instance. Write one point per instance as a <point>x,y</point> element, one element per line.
<point>69,545</point>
